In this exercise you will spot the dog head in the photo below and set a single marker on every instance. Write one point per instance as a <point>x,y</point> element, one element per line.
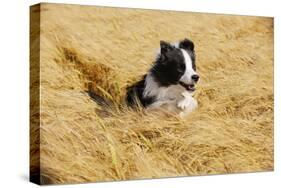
<point>175,64</point>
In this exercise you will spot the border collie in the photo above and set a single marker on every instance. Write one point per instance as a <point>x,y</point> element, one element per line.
<point>170,83</point>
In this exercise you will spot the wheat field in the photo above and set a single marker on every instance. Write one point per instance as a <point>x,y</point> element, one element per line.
<point>104,50</point>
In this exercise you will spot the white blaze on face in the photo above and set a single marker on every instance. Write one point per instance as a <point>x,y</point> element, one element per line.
<point>186,78</point>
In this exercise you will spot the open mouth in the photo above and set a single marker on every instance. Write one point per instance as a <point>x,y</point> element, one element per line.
<point>188,87</point>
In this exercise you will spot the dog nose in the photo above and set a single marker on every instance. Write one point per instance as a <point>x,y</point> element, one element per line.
<point>195,77</point>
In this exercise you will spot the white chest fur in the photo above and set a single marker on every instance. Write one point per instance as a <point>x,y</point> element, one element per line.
<point>174,98</point>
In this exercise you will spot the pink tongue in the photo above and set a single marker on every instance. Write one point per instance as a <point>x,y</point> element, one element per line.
<point>187,86</point>
<point>191,87</point>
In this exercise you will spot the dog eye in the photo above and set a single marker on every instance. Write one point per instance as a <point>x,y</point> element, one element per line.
<point>181,68</point>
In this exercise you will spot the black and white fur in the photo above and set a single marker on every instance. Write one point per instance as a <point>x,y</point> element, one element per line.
<point>170,83</point>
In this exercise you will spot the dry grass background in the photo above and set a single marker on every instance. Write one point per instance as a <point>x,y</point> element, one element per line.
<point>108,49</point>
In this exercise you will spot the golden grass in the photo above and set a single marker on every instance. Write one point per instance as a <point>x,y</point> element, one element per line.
<point>105,50</point>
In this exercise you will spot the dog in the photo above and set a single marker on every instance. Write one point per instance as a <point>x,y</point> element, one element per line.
<point>170,83</point>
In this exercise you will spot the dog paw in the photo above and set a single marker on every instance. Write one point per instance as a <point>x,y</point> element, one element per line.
<point>184,104</point>
<point>188,103</point>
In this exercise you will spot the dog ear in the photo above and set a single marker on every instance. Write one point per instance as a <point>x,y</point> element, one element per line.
<point>186,44</point>
<point>165,47</point>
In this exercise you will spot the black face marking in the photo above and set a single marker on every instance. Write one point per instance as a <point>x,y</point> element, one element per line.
<point>169,66</point>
